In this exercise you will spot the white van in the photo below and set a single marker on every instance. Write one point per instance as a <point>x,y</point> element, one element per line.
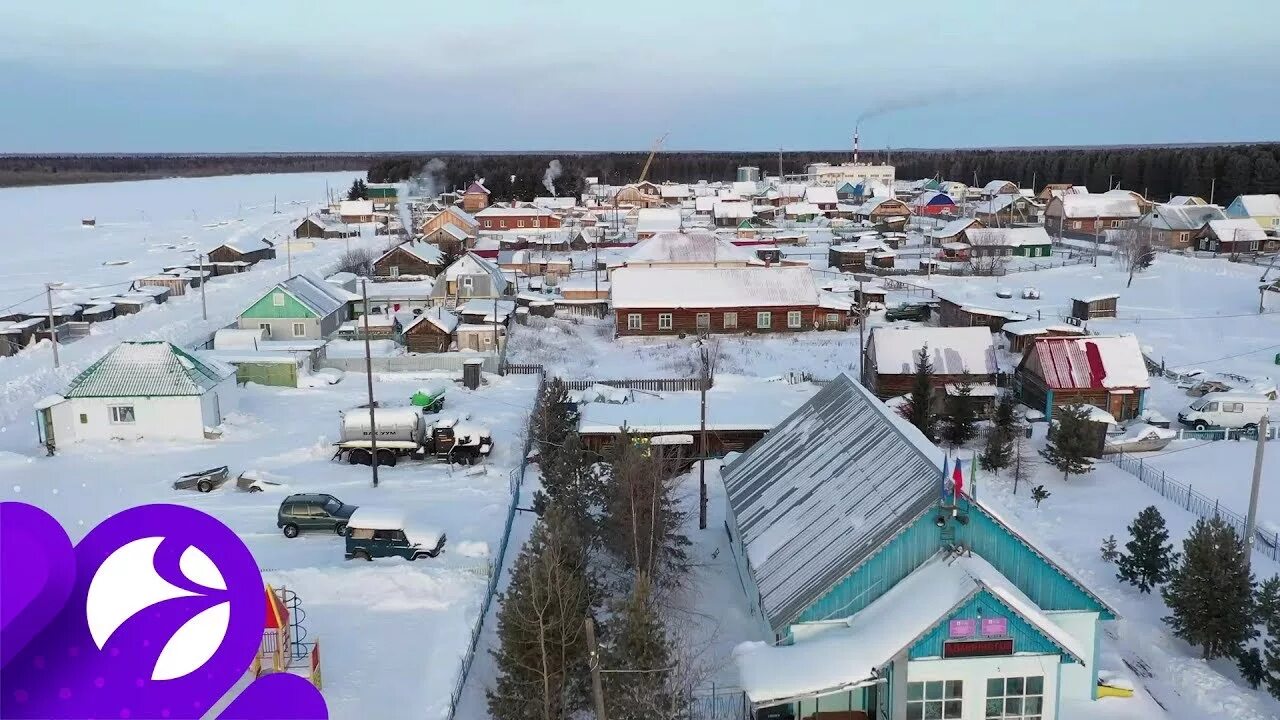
<point>1226,410</point>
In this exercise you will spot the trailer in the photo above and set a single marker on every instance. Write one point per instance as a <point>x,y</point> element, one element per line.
<point>408,432</point>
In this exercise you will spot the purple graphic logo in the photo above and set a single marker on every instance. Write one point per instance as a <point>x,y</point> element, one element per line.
<point>157,613</point>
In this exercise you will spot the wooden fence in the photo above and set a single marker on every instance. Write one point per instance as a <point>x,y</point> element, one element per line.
<point>647,384</point>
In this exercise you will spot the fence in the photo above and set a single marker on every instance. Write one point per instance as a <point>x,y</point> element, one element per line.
<point>719,704</point>
<point>648,384</point>
<point>1268,541</point>
<point>494,567</point>
<point>447,362</point>
<point>902,285</point>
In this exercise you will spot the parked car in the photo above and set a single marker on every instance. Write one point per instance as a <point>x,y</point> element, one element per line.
<point>313,512</point>
<point>203,481</point>
<point>378,532</point>
<point>1226,410</point>
<point>909,311</point>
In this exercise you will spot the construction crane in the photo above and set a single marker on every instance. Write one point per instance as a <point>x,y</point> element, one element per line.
<point>657,144</point>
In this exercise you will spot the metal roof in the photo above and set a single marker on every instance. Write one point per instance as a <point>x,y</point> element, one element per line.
<point>823,490</point>
<point>147,369</point>
<point>322,298</point>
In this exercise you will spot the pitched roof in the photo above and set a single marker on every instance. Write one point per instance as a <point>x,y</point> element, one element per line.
<point>658,220</point>
<point>472,264</point>
<point>953,227</point>
<point>322,298</point>
<point>1099,205</point>
<point>355,207</point>
<point>995,185</point>
<point>1186,200</point>
<point>823,490</point>
<point>506,211</point>
<point>932,197</point>
<point>1089,362</point>
<point>1181,217</point>
<point>424,251</point>
<point>821,195</point>
<point>476,187</point>
<point>952,350</point>
<point>732,209</point>
<point>1242,229</point>
<point>1260,205</point>
<point>1008,237</point>
<point>325,221</point>
<point>151,368</point>
<point>712,287</point>
<point>437,316</point>
<point>693,247</point>
<point>466,217</point>
<point>802,208</point>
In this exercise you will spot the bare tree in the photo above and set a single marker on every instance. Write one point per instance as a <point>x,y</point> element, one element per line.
<point>982,263</point>
<point>1134,250</point>
<point>358,261</point>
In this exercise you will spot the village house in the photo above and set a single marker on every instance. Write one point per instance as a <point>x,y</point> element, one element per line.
<point>860,256</point>
<point>534,264</point>
<point>475,198</point>
<point>558,204</point>
<point>411,259</point>
<point>801,212</point>
<point>1235,235</point>
<point>450,239</point>
<point>19,331</point>
<point>1019,335</point>
<point>1005,210</point>
<point>1019,242</point>
<point>1052,190</point>
<point>878,593</point>
<point>825,198</point>
<point>959,314</point>
<point>657,220</point>
<point>247,252</point>
<point>384,196</point>
<point>996,188</point>
<point>887,211</point>
<point>1089,214</point>
<point>496,218</point>
<point>304,306</point>
<point>470,276</point>
<point>677,300</point>
<point>932,202</point>
<point>1262,209</point>
<point>430,332</point>
<point>1088,307</point>
<point>1186,200</point>
<point>954,231</point>
<point>322,226</point>
<point>675,194</point>
<point>957,353</point>
<point>150,390</point>
<point>728,213</point>
<point>693,249</point>
<point>450,215</point>
<point>392,298</point>
<point>1176,226</point>
<point>356,211</point>
<point>1107,372</point>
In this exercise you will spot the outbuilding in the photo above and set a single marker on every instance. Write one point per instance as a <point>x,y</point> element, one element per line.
<point>1102,305</point>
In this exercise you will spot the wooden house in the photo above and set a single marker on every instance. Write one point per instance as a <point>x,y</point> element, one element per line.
<point>1052,190</point>
<point>411,259</point>
<point>869,294</point>
<point>449,216</point>
<point>1089,214</point>
<point>1107,372</point>
<point>657,220</point>
<point>1094,306</point>
<point>691,249</point>
<point>130,304</point>
<point>953,231</point>
<point>322,226</point>
<point>1005,241</point>
<point>356,211</point>
<point>957,353</point>
<point>384,196</point>
<point>1004,210</point>
<point>954,252</point>
<point>996,188</point>
<point>689,300</point>
<point>495,218</point>
<point>1144,205</point>
<point>241,252</point>
<point>449,238</point>
<point>852,257</point>
<point>429,332</point>
<point>884,211</point>
<point>98,312</point>
<point>1262,209</point>
<point>729,213</point>
<point>475,198</point>
<point>218,269</point>
<point>20,331</point>
<point>159,294</point>
<point>1236,235</point>
<point>1176,227</point>
<point>959,314</point>
<point>1020,335</point>
<point>470,276</point>
<point>175,285</point>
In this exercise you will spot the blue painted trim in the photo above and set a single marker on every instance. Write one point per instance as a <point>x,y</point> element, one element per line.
<point>1142,401</point>
<point>1048,405</point>
<point>1027,636</point>
<point>1097,641</point>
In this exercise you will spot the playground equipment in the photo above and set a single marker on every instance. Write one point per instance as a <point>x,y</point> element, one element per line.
<point>284,647</point>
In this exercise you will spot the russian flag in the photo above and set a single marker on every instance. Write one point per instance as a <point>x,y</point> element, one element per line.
<point>957,479</point>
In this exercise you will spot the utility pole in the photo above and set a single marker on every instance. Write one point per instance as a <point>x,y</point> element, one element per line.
<point>53,335</point>
<point>702,465</point>
<point>1096,228</point>
<point>1213,186</point>
<point>288,254</point>
<point>862,323</point>
<point>593,662</point>
<point>1250,526</point>
<point>368,370</point>
<point>204,310</point>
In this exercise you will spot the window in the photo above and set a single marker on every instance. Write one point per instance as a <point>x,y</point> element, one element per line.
<point>730,320</point>
<point>488,340</point>
<point>664,321</point>
<point>935,700</point>
<point>395,271</point>
<point>1015,698</point>
<point>122,414</point>
<point>833,318</point>
<point>84,418</point>
<point>764,320</point>
<point>468,281</point>
<point>793,318</point>
<point>265,328</point>
<point>299,329</point>
<point>704,321</point>
<point>1182,237</point>
<point>277,299</point>
<point>1233,407</point>
<point>635,321</point>
<point>1211,407</point>
<point>488,223</point>
<point>520,223</point>
<point>1075,224</point>
<point>1115,223</point>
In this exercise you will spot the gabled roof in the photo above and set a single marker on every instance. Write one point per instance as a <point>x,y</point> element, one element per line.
<point>952,350</point>
<point>1186,200</point>
<point>802,208</point>
<point>322,298</point>
<point>1092,361</point>
<point>466,217</point>
<point>150,368</point>
<point>995,185</point>
<point>954,227</point>
<point>1181,217</point>
<point>325,222</point>
<point>437,316</point>
<point>1008,237</point>
<point>932,197</point>
<point>712,287</point>
<point>1099,205</point>
<point>355,207</point>
<point>686,248</point>
<point>476,187</point>
<point>1259,205</point>
<point>821,195</point>
<point>823,490</point>
<point>424,251</point>
<point>472,264</point>
<point>658,220</point>
<point>507,211</point>
<point>735,209</point>
<point>1241,229</point>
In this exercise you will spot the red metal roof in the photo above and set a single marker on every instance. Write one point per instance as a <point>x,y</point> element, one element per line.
<point>1070,363</point>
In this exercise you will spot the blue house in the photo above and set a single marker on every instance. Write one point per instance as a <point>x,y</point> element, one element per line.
<point>883,594</point>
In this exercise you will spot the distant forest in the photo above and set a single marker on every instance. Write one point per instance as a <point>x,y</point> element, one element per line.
<point>1159,172</point>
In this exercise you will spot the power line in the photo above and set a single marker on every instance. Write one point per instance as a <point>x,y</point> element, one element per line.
<point>1228,357</point>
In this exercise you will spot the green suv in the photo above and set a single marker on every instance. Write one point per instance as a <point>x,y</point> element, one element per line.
<point>313,512</point>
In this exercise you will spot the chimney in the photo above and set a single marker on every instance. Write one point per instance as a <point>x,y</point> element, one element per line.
<point>855,144</point>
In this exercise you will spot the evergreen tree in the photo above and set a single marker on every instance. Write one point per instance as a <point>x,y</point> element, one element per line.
<point>1251,667</point>
<point>570,480</point>
<point>1268,616</point>
<point>1109,552</point>
<point>643,518</point>
<point>1149,559</point>
<point>358,191</point>
<point>960,426</point>
<point>552,420</point>
<point>997,453</point>
<point>639,686</point>
<point>1210,592</point>
<point>1039,494</point>
<point>541,655</point>
<point>918,410</point>
<point>1070,442</point>
<point>1004,415</point>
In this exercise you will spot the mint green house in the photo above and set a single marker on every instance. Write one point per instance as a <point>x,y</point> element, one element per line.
<point>302,307</point>
<point>880,592</point>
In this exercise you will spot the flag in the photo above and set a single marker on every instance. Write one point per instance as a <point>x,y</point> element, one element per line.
<point>943,484</point>
<point>957,479</point>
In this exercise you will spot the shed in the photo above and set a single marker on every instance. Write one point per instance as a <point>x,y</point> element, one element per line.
<point>175,285</point>
<point>98,312</point>
<point>1094,306</point>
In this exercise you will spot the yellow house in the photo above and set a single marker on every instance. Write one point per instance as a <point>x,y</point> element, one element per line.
<point>1262,209</point>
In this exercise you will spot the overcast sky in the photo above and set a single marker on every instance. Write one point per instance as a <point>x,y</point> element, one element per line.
<point>297,75</point>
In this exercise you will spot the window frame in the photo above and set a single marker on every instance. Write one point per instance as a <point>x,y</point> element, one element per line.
<point>394,271</point>
<point>666,321</point>
<point>702,321</point>
<point>948,699</point>
<point>795,319</point>
<point>117,414</point>
<point>299,329</point>
<point>277,299</point>
<point>635,321</point>
<point>1021,696</point>
<point>764,320</point>
<point>729,320</point>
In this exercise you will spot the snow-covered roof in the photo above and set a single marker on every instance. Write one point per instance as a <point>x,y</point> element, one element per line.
<point>952,350</point>
<point>821,195</point>
<point>995,186</point>
<point>1182,217</point>
<point>847,653</point>
<point>487,308</point>
<point>676,191</point>
<point>506,211</point>
<point>1008,237</point>
<point>731,406</point>
<point>658,220</point>
<point>1091,361</point>
<point>1106,205</point>
<point>999,203</point>
<point>325,221</point>
<point>426,252</point>
<point>720,287</point>
<point>1260,205</point>
<point>1038,327</point>
<point>802,208</point>
<point>1097,298</point>
<point>744,188</point>
<point>556,203</point>
<point>932,196</point>
<point>437,316</point>
<point>401,289</point>
<point>322,298</point>
<point>734,209</point>
<point>476,187</point>
<point>350,208</point>
<point>705,203</point>
<point>1237,229</point>
<point>686,248</point>
<point>150,368</point>
<point>472,264</point>
<point>822,490</point>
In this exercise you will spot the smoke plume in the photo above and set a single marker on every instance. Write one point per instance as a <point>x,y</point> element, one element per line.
<point>549,177</point>
<point>430,180</point>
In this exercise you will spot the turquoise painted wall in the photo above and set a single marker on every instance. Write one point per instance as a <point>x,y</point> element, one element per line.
<point>267,308</point>
<point>1026,637</point>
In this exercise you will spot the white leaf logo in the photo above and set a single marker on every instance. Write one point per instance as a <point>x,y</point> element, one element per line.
<point>127,583</point>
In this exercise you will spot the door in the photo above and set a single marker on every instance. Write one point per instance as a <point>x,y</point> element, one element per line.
<point>44,427</point>
<point>1116,408</point>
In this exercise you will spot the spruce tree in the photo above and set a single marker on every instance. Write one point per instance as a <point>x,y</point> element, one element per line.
<point>1070,442</point>
<point>643,519</point>
<point>1109,552</point>
<point>1268,615</point>
<point>1004,417</point>
<point>1251,667</point>
<point>570,479</point>
<point>960,426</point>
<point>1039,494</point>
<point>997,453</point>
<point>639,686</point>
<point>552,420</point>
<point>358,191</point>
<point>541,655</point>
<point>1148,559</point>
<point>918,409</point>
<point>1210,592</point>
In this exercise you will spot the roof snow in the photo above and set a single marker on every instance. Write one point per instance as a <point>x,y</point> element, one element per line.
<point>658,220</point>
<point>952,350</point>
<point>147,369</point>
<point>687,248</point>
<point>1092,361</point>
<point>1241,229</point>
<point>354,208</point>
<point>1104,205</point>
<point>821,195</point>
<point>424,251</point>
<point>472,264</point>
<point>322,298</point>
<point>802,208</point>
<point>953,227</point>
<point>1008,237</point>
<point>732,209</point>
<point>995,186</point>
<point>720,287</point>
<point>731,406</point>
<point>1182,217</point>
<point>1260,205</point>
<point>437,316</point>
<point>497,211</point>
<point>326,222</point>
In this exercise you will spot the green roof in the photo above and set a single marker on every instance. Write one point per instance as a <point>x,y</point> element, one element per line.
<point>147,369</point>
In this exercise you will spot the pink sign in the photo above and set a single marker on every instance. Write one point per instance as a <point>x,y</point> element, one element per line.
<point>962,628</point>
<point>995,627</point>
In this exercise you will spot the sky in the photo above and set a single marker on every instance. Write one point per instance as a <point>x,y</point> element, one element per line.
<point>319,75</point>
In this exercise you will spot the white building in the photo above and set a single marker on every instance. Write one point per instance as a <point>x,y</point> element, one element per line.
<point>880,177</point>
<point>140,389</point>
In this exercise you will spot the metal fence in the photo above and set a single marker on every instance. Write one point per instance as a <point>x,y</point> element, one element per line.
<point>1267,542</point>
<point>494,567</point>
<point>713,703</point>
<point>648,384</point>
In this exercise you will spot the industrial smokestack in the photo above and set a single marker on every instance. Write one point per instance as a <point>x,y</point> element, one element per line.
<point>855,144</point>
